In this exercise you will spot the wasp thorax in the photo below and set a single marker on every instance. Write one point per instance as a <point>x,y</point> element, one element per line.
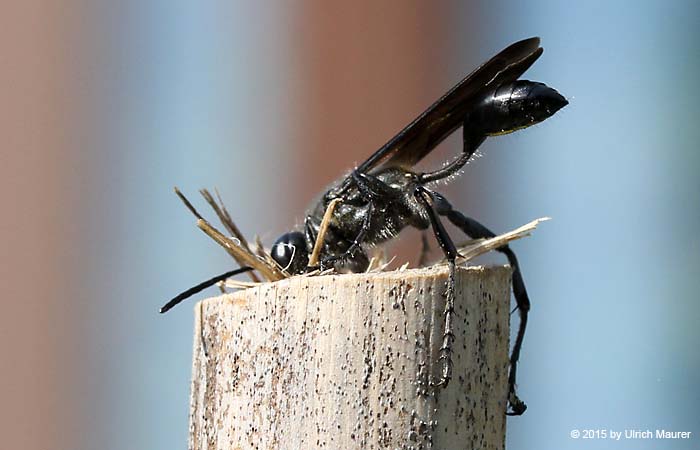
<point>290,252</point>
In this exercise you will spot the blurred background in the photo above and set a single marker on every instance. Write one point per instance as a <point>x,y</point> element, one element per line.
<point>107,105</point>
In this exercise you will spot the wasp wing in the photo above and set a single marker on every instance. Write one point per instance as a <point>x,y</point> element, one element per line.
<point>444,116</point>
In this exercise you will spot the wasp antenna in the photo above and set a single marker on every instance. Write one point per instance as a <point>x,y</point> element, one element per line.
<point>200,287</point>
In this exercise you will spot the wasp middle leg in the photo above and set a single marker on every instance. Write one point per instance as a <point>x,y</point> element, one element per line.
<point>425,197</point>
<point>476,230</point>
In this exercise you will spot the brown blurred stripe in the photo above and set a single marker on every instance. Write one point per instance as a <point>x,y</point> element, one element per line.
<point>38,269</point>
<point>365,69</point>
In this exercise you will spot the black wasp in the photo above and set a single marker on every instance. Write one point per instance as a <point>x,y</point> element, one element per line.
<point>383,195</point>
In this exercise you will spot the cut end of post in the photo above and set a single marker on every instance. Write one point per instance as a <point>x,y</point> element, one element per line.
<point>346,361</point>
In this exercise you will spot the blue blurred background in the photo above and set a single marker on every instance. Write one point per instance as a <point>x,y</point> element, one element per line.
<point>107,105</point>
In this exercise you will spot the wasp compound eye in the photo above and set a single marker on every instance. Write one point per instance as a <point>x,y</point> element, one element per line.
<point>289,251</point>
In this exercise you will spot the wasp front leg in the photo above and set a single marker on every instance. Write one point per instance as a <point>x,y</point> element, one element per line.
<point>355,245</point>
<point>370,190</point>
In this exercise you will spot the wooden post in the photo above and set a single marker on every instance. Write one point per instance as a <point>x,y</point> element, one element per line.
<point>343,362</point>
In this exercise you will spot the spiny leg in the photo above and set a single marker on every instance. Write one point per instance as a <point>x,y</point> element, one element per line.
<point>425,197</point>
<point>476,230</point>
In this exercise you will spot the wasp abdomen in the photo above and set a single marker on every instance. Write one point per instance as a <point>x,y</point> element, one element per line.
<point>513,106</point>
